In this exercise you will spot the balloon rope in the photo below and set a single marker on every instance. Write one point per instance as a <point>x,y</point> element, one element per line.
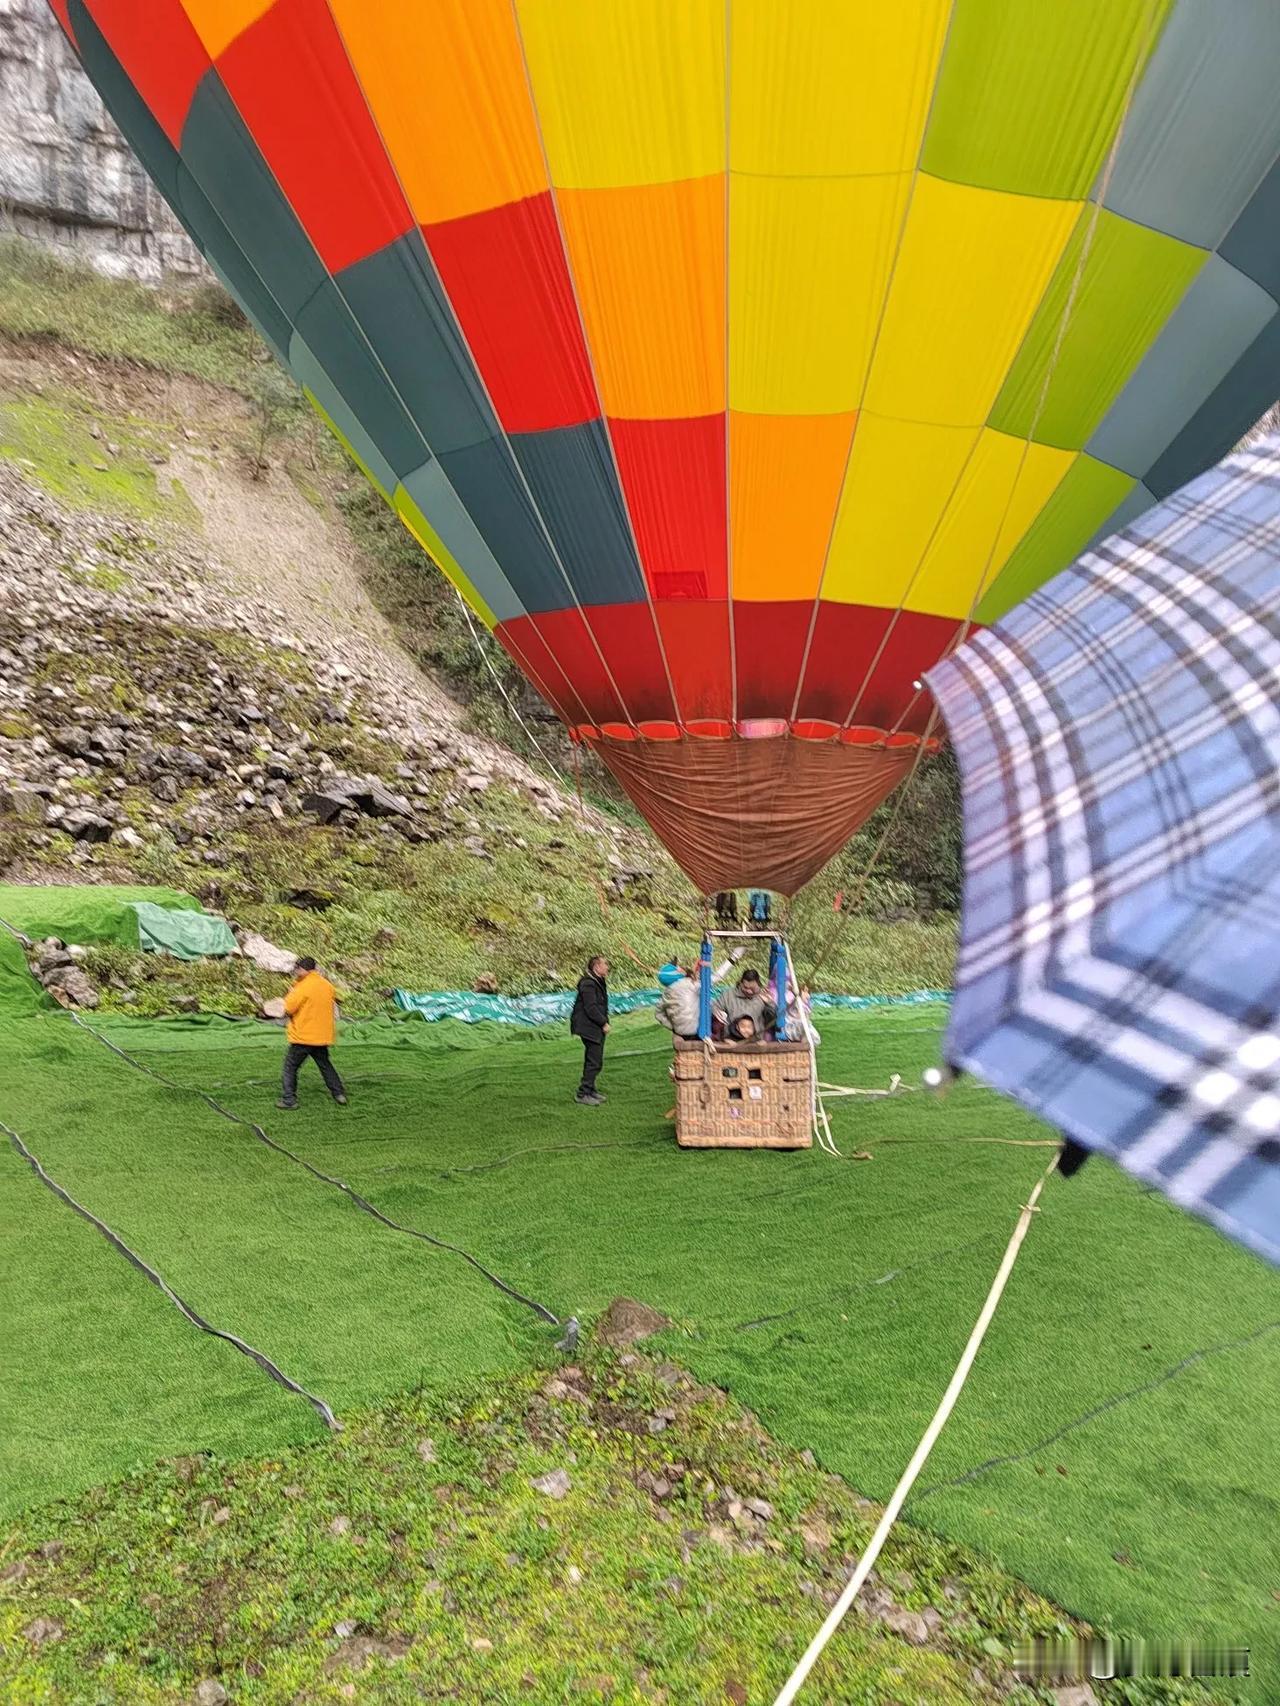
<point>577,778</point>
<point>963,627</point>
<point>507,699</point>
<point>910,1474</point>
<point>864,876</point>
<point>1051,366</point>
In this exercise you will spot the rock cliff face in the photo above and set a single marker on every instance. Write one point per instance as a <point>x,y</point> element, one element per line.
<point>67,176</point>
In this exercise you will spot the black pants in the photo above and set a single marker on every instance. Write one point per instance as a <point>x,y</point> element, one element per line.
<point>294,1056</point>
<point>592,1061</point>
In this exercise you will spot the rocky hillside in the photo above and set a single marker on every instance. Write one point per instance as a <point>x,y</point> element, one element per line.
<point>155,727</point>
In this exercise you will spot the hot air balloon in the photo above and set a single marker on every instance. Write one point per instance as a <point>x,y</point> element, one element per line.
<point>733,357</point>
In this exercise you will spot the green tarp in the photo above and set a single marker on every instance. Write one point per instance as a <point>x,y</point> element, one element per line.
<point>84,913</point>
<point>184,934</point>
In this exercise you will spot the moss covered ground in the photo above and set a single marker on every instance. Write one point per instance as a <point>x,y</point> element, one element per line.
<point>1115,1447</point>
<point>417,1557</point>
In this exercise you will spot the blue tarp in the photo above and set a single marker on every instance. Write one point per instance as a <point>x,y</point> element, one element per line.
<point>549,1009</point>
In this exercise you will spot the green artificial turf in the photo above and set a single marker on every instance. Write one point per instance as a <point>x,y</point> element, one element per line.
<point>833,1296</point>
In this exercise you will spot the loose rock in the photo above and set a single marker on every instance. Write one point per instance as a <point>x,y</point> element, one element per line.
<point>71,987</point>
<point>555,1483</point>
<point>87,826</point>
<point>357,1650</point>
<point>42,1629</point>
<point>265,954</point>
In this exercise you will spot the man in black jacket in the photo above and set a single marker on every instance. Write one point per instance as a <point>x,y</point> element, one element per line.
<point>590,1021</point>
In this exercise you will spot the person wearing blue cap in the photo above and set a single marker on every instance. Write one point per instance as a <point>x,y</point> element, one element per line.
<point>678,1003</point>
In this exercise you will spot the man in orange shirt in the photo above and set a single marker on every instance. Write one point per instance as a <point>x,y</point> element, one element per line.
<point>312,1029</point>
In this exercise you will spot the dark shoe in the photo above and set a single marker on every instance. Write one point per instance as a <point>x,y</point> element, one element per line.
<point>589,1098</point>
<point>341,1099</point>
<point>283,1104</point>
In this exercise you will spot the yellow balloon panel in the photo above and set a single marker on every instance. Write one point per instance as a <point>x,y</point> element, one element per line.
<point>809,262</point>
<point>831,87</point>
<point>973,267</point>
<point>1005,484</point>
<point>902,475</point>
<point>627,91</point>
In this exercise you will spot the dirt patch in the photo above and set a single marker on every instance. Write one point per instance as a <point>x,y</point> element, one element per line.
<point>295,555</point>
<point>28,364</point>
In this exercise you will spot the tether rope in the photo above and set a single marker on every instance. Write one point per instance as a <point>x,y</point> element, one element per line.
<point>118,1244</point>
<point>920,1456</point>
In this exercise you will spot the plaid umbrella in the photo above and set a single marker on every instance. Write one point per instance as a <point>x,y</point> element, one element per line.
<point>1119,743</point>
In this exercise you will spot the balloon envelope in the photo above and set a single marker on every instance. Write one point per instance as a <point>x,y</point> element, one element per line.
<point>730,359</point>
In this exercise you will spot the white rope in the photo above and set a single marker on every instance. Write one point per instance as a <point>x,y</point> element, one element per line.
<point>501,686</point>
<point>854,1586</point>
<point>896,1088</point>
<point>817,1107</point>
<point>821,1122</point>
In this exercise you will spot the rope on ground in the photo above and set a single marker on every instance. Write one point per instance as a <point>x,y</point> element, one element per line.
<point>1004,1142</point>
<point>895,1088</point>
<point>843,1293</point>
<point>920,1456</point>
<point>131,1256</point>
<point>326,1178</point>
<point>1112,1403</point>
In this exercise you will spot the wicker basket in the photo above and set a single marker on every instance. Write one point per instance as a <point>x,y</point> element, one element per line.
<point>743,1095</point>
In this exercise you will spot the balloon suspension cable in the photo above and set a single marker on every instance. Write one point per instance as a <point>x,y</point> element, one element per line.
<point>577,781</point>
<point>506,697</point>
<point>1064,325</point>
<point>817,1106</point>
<point>852,904</point>
<point>1051,366</point>
<point>911,1473</point>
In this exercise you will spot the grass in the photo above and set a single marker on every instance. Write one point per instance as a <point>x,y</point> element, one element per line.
<point>437,917</point>
<point>1127,1380</point>
<point>198,331</point>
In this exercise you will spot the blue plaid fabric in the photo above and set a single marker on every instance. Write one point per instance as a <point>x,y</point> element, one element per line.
<point>1118,736</point>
